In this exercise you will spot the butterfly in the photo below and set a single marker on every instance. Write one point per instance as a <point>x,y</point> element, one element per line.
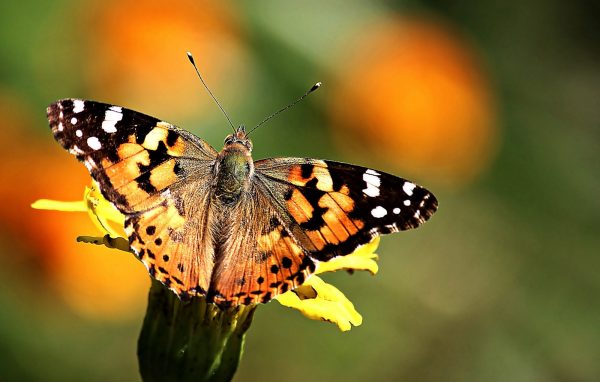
<point>218,224</point>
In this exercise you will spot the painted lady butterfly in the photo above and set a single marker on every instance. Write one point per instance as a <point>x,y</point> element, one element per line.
<point>218,224</point>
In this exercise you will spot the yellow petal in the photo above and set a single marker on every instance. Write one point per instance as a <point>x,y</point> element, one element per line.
<point>318,300</point>
<point>363,259</point>
<point>103,213</point>
<point>47,204</point>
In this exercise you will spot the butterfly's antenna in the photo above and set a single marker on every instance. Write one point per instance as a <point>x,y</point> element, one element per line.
<point>191,58</point>
<point>312,89</point>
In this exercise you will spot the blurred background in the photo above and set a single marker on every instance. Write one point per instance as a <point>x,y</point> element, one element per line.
<point>494,106</point>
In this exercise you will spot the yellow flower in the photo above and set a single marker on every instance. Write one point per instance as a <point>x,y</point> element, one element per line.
<point>315,298</point>
<point>104,215</point>
<point>318,300</point>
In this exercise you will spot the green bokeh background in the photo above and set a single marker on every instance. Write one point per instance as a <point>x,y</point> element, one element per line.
<point>501,285</point>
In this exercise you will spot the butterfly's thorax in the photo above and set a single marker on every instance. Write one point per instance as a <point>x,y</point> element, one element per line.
<point>233,170</point>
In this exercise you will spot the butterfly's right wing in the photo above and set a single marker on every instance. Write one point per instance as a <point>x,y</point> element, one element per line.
<point>332,208</point>
<point>157,175</point>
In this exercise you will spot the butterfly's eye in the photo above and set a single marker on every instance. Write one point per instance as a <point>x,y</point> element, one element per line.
<point>228,139</point>
<point>248,144</point>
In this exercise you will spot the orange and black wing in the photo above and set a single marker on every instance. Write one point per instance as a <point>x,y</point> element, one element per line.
<point>141,165</point>
<point>259,258</point>
<point>331,208</point>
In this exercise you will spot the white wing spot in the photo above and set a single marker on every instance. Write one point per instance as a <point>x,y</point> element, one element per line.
<point>78,106</point>
<point>371,179</point>
<point>73,121</point>
<point>373,182</point>
<point>60,126</point>
<point>79,133</point>
<point>371,191</point>
<point>378,212</point>
<point>94,143</point>
<point>113,115</point>
<point>417,214</point>
<point>396,210</point>
<point>407,202</point>
<point>109,126</point>
<point>408,188</point>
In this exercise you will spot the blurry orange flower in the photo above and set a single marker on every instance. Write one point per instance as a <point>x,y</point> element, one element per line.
<point>138,51</point>
<point>413,92</point>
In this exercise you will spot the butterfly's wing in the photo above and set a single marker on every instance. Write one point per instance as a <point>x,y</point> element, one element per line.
<point>141,165</point>
<point>258,258</point>
<point>332,207</point>
<point>301,211</point>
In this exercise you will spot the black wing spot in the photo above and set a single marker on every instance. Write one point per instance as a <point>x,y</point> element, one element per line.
<point>171,138</point>
<point>286,262</point>
<point>337,181</point>
<point>306,170</point>
<point>267,297</point>
<point>143,182</point>
<point>178,281</point>
<point>288,194</point>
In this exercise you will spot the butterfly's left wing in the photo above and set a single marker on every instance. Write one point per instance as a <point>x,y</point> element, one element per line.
<point>157,175</point>
<point>300,211</point>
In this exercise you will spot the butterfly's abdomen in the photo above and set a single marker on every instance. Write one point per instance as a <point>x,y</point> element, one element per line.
<point>233,172</point>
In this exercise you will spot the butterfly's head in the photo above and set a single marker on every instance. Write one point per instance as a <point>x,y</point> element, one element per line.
<point>239,138</point>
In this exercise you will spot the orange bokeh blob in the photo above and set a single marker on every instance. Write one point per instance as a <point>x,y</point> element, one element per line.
<point>137,53</point>
<point>413,93</point>
<point>39,246</point>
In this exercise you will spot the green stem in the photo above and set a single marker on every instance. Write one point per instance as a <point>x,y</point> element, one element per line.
<point>190,341</point>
